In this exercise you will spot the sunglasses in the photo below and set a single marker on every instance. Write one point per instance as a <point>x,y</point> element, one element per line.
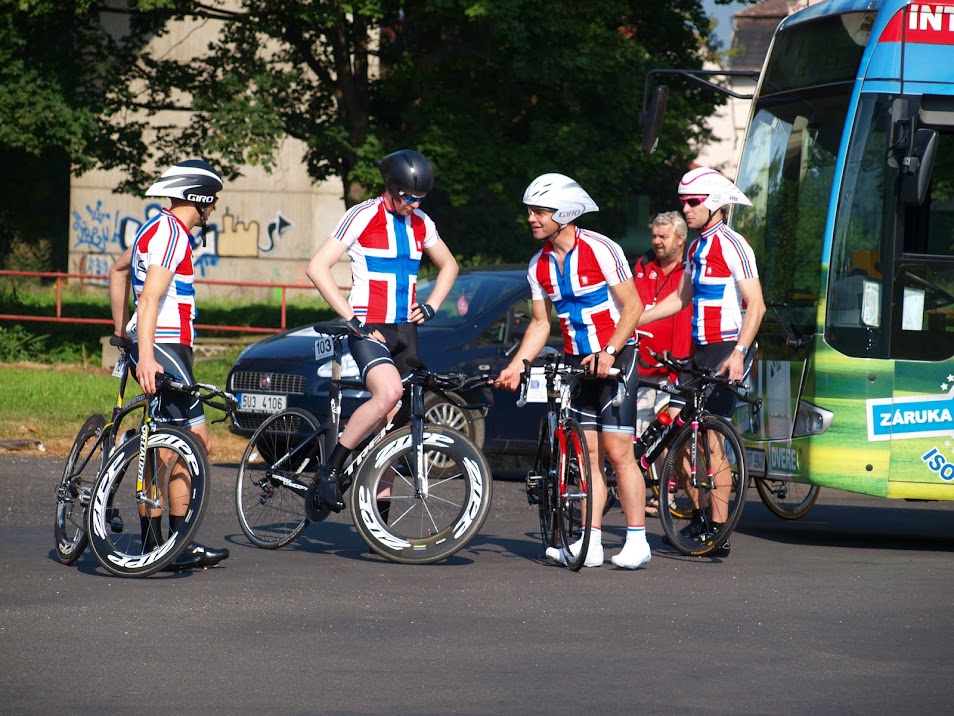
<point>694,201</point>
<point>410,198</point>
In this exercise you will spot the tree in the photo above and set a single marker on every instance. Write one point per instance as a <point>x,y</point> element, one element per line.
<point>58,64</point>
<point>494,93</point>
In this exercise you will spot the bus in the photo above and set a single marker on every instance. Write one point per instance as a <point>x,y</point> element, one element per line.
<point>848,159</point>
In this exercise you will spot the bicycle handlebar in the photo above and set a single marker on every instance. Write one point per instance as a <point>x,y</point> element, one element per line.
<point>552,368</point>
<point>702,377</point>
<point>211,395</point>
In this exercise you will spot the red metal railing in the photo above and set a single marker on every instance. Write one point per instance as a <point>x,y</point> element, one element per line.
<point>61,278</point>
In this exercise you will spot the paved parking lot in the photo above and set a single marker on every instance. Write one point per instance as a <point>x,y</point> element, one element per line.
<point>847,610</point>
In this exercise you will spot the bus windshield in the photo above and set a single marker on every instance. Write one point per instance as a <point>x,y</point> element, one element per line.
<point>788,163</point>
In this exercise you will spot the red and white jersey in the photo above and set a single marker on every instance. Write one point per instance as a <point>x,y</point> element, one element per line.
<point>165,241</point>
<point>673,334</point>
<point>580,289</point>
<point>385,250</point>
<point>716,262</point>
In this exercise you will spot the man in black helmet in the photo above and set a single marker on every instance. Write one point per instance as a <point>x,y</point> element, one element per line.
<point>385,238</point>
<point>162,327</point>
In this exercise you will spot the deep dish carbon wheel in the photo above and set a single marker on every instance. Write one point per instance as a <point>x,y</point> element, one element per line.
<point>785,498</point>
<point>118,493</point>
<point>278,465</point>
<point>722,475</point>
<point>73,492</point>
<point>574,509</point>
<point>411,527</point>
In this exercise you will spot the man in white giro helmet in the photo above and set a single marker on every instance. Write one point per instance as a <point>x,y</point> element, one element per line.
<point>586,277</point>
<point>721,283</point>
<point>159,268</point>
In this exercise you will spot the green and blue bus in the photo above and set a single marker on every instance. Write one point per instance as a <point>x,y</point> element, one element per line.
<point>848,160</point>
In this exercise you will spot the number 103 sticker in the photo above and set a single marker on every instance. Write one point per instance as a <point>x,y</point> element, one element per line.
<point>324,346</point>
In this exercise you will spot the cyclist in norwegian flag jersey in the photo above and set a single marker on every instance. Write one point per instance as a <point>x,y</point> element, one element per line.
<point>385,238</point>
<point>721,283</point>
<point>585,276</point>
<point>159,269</point>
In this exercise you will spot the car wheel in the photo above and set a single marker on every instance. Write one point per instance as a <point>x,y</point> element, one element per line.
<point>439,410</point>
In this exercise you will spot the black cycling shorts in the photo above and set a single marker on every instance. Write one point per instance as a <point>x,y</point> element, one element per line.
<point>175,407</point>
<point>591,403</point>
<point>400,344</point>
<point>721,400</point>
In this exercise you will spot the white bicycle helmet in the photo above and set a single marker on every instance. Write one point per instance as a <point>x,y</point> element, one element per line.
<point>720,191</point>
<point>560,193</point>
<point>192,180</point>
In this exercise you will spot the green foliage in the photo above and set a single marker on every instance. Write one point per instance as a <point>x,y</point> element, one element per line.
<point>494,93</point>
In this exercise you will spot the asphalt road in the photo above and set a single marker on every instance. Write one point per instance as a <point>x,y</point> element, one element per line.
<point>848,610</point>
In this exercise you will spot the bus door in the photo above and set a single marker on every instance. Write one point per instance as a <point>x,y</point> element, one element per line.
<point>890,313</point>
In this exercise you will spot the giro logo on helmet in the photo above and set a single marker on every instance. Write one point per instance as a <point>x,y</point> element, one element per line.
<point>199,199</point>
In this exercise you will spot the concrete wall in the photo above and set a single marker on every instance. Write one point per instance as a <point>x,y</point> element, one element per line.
<point>265,228</point>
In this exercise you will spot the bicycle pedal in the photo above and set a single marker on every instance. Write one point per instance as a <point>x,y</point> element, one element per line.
<point>115,521</point>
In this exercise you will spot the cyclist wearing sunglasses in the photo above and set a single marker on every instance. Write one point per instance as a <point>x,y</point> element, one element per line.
<point>721,283</point>
<point>385,238</point>
<point>585,276</point>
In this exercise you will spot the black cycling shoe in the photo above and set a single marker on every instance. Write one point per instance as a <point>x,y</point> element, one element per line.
<point>695,527</point>
<point>323,494</point>
<point>197,556</point>
<point>722,551</point>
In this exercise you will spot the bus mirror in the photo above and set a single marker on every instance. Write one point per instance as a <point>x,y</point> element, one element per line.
<point>917,167</point>
<point>652,118</point>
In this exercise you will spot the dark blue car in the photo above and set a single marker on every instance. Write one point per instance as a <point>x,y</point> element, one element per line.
<point>476,331</point>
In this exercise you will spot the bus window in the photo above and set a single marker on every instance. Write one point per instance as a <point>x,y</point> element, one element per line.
<point>787,171</point>
<point>856,297</point>
<point>891,276</point>
<point>922,323</point>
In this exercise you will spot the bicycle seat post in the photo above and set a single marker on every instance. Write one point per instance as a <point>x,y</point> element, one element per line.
<point>334,388</point>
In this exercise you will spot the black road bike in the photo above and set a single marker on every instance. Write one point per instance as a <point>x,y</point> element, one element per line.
<point>417,494</point>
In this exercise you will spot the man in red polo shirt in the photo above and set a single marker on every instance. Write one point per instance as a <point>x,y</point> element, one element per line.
<point>657,274</point>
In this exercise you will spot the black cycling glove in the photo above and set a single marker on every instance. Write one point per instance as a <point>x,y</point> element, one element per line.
<point>357,328</point>
<point>427,311</point>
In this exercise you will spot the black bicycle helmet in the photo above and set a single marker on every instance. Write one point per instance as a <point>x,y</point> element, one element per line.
<point>192,180</point>
<point>408,170</point>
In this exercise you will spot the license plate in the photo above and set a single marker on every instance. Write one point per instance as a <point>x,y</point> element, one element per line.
<point>262,402</point>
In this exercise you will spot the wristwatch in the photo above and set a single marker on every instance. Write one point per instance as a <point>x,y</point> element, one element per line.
<point>742,349</point>
<point>610,350</point>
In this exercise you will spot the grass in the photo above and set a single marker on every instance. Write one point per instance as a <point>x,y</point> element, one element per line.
<point>50,379</point>
<point>50,404</point>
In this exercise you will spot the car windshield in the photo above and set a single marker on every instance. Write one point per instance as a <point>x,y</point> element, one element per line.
<point>470,296</point>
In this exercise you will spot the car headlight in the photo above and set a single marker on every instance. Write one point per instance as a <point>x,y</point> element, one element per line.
<point>349,369</point>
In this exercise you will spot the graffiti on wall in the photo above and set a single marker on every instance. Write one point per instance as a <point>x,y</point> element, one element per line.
<point>100,234</point>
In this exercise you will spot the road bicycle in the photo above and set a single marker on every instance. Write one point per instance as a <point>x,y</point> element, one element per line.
<point>93,444</point>
<point>560,482</point>
<point>704,471</point>
<point>117,473</point>
<point>418,493</point>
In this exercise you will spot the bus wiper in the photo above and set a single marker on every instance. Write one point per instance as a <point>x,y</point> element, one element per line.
<point>793,337</point>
